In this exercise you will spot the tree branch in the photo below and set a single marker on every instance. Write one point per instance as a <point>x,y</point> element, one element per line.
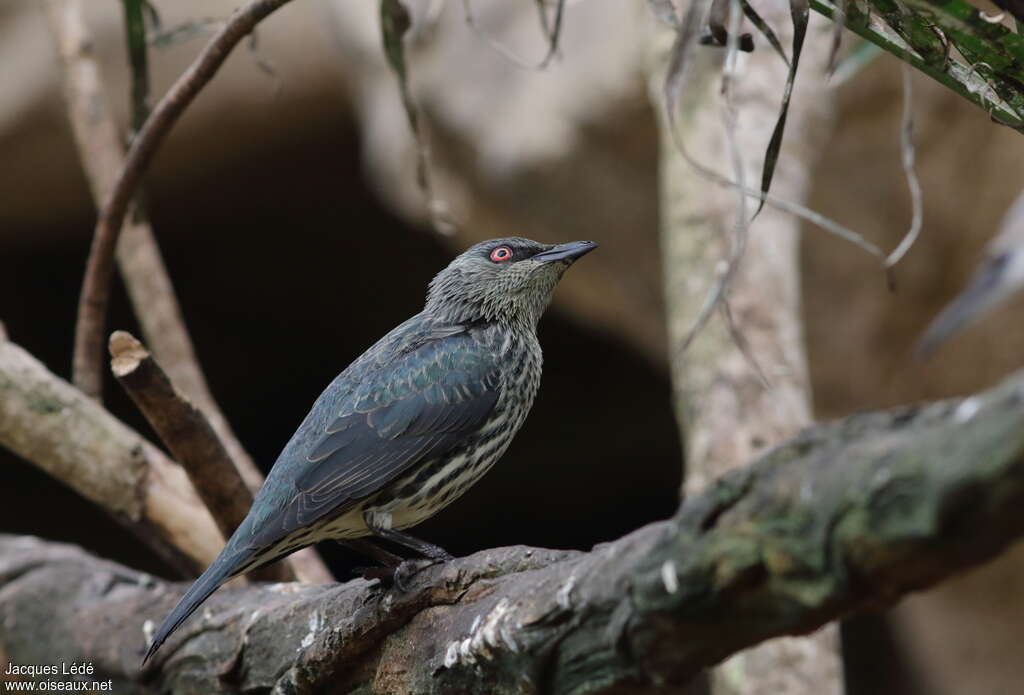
<point>138,255</point>
<point>92,307</point>
<point>741,384</point>
<point>189,436</point>
<point>50,423</point>
<point>847,516</point>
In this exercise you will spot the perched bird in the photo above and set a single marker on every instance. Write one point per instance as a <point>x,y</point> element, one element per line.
<point>997,278</point>
<point>410,425</point>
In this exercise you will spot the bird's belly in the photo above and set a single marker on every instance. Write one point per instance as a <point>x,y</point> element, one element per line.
<point>446,480</point>
<point>351,524</point>
<point>430,487</point>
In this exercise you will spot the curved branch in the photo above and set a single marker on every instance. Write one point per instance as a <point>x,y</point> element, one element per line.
<point>847,516</point>
<point>88,358</point>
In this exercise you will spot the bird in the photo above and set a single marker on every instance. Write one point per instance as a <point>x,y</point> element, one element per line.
<point>411,424</point>
<point>998,277</point>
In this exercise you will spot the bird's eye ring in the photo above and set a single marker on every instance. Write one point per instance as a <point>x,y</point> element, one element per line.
<point>502,253</point>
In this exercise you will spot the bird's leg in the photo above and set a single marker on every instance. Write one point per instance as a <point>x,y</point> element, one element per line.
<point>388,573</point>
<point>372,551</point>
<point>380,525</point>
<point>428,550</point>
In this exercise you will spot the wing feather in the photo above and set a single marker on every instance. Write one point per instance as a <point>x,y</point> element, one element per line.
<point>414,407</point>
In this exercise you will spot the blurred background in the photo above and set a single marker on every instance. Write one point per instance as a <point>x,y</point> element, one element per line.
<point>286,208</point>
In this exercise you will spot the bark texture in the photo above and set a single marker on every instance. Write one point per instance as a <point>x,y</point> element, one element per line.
<point>190,438</point>
<point>726,411</point>
<point>847,516</point>
<point>149,286</point>
<point>138,257</point>
<point>53,425</point>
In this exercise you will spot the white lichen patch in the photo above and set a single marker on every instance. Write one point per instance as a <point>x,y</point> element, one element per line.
<point>145,580</point>
<point>148,628</point>
<point>881,478</point>
<point>967,409</point>
<point>486,634</point>
<point>669,577</point>
<point>564,595</point>
<point>315,624</point>
<point>806,491</point>
<point>285,587</point>
<point>451,657</point>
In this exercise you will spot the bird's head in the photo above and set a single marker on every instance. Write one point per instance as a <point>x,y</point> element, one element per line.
<point>502,280</point>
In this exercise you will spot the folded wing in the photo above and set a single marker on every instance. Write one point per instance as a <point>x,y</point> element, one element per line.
<point>418,406</point>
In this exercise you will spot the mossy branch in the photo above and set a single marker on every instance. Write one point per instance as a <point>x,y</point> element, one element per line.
<point>848,516</point>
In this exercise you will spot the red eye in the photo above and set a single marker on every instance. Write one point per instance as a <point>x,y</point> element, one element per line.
<point>502,253</point>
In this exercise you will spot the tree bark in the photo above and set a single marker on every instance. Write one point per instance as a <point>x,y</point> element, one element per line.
<point>53,425</point>
<point>847,516</point>
<point>726,412</point>
<point>153,298</point>
<point>192,440</point>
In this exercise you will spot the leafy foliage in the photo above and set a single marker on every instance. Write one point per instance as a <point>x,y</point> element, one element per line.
<point>951,41</point>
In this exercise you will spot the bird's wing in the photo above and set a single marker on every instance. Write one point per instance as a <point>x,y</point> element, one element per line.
<point>413,407</point>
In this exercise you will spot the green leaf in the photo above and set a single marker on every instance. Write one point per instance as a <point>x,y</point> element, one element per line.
<point>798,9</point>
<point>951,42</point>
<point>135,33</point>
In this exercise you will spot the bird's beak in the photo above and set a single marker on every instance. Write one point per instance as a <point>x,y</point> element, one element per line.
<point>565,252</point>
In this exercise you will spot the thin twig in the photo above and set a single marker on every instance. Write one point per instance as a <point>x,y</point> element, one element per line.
<point>92,306</point>
<point>509,54</point>
<point>792,208</point>
<point>724,276</point>
<point>675,81</point>
<point>742,222</point>
<point>907,160</point>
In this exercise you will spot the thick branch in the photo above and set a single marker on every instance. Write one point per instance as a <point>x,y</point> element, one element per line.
<point>189,436</point>
<point>50,423</point>
<point>845,517</point>
<point>726,411</point>
<point>92,306</point>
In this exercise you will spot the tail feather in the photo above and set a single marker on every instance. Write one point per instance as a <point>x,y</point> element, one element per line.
<point>227,565</point>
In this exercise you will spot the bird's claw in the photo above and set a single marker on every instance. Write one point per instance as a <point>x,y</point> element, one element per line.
<point>383,574</point>
<point>398,577</point>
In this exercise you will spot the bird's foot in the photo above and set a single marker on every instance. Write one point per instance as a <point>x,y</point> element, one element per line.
<point>405,572</point>
<point>399,577</point>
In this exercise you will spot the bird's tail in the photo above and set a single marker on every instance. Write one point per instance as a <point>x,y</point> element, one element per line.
<point>228,564</point>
